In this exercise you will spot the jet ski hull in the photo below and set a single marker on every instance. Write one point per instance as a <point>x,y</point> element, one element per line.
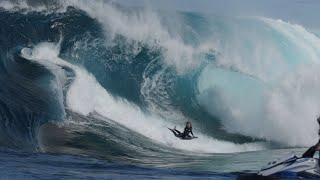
<point>292,166</point>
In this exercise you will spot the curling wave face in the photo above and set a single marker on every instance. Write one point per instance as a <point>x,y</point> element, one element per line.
<point>111,79</point>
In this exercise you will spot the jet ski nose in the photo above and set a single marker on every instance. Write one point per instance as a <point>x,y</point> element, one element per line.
<point>292,165</point>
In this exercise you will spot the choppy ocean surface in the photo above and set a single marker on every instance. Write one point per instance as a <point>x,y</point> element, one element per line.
<point>17,165</point>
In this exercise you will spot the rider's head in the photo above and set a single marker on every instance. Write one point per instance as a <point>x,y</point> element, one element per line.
<point>188,124</point>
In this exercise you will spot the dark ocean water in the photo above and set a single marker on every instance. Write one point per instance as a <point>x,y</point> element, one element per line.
<point>20,165</point>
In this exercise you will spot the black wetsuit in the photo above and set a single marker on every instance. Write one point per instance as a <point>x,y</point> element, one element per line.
<point>187,131</point>
<point>310,152</point>
<point>185,134</point>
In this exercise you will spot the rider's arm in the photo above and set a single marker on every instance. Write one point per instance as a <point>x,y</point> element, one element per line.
<point>310,152</point>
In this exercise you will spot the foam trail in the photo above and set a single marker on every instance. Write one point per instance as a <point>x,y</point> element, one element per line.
<point>19,5</point>
<point>86,96</point>
<point>10,6</point>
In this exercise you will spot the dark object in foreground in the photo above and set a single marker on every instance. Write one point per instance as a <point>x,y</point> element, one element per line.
<point>292,167</point>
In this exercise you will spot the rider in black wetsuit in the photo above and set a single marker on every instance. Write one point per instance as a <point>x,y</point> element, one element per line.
<point>186,133</point>
<point>312,150</point>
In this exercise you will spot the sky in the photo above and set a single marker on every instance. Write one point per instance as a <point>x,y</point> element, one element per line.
<point>304,12</point>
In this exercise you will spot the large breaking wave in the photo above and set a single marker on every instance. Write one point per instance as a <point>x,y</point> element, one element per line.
<point>98,78</point>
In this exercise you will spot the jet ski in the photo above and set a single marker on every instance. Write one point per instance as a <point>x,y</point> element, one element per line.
<point>292,166</point>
